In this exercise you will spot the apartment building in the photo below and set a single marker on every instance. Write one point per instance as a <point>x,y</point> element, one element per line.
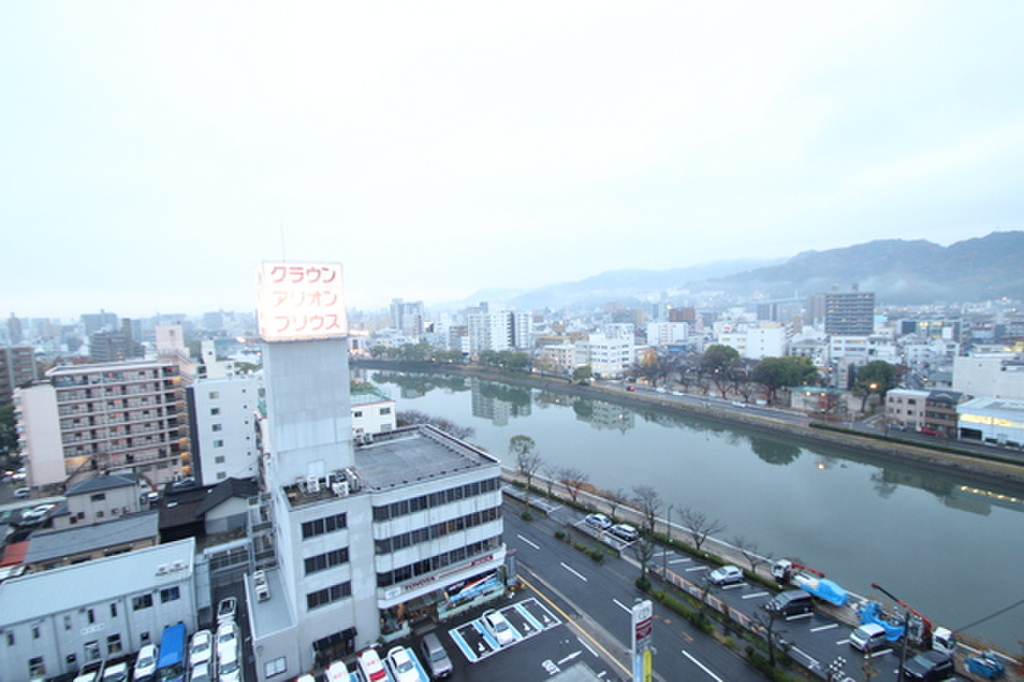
<point>84,420</point>
<point>17,367</point>
<point>222,428</point>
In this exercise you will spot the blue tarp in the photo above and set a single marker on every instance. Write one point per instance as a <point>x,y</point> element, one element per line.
<point>829,591</point>
<point>872,613</point>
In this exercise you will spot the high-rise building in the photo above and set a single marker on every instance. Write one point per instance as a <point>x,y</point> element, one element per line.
<point>408,317</point>
<point>87,419</point>
<point>498,329</point>
<point>844,313</point>
<point>354,539</point>
<point>17,367</point>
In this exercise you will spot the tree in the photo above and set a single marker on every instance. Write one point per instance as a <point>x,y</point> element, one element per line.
<point>776,373</point>
<point>643,549</point>
<point>615,497</point>
<point>523,450</point>
<point>699,526</point>
<point>377,351</point>
<point>648,503</point>
<point>748,548</point>
<point>583,374</point>
<point>8,434</point>
<point>876,377</point>
<point>719,362</point>
<point>574,480</point>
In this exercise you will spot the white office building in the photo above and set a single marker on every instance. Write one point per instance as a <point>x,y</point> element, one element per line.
<point>756,341</point>
<point>665,333</point>
<point>366,539</point>
<point>1000,375</point>
<point>498,329</point>
<point>607,356</point>
<point>221,414</point>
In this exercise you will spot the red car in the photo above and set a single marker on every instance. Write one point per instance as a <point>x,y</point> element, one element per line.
<point>930,432</point>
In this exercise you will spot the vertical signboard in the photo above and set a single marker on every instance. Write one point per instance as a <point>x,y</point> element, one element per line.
<point>298,301</point>
<point>643,628</point>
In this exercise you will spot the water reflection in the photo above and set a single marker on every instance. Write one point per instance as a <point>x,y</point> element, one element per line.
<point>773,451</point>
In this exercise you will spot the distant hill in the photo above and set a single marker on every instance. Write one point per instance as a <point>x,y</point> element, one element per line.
<point>898,271</point>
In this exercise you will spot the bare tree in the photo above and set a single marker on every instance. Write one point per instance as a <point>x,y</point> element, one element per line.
<point>767,619</point>
<point>643,549</point>
<point>699,526</point>
<point>748,548</point>
<point>615,497</point>
<point>648,503</point>
<point>528,461</point>
<point>573,479</point>
<point>551,475</point>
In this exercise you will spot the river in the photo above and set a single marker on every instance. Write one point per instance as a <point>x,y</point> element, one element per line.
<point>950,547</point>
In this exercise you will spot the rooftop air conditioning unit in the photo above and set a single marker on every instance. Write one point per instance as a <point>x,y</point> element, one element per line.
<point>340,488</point>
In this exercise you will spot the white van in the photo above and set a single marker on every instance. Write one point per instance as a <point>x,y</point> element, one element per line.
<point>868,637</point>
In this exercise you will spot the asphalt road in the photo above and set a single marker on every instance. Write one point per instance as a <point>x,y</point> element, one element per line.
<point>597,596</point>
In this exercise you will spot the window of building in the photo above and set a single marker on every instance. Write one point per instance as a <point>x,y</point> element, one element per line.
<point>218,443</point>
<point>322,562</point>
<point>218,427</point>
<point>35,632</point>
<point>36,667</point>
<point>90,616</point>
<point>328,524</point>
<point>214,395</point>
<point>219,459</point>
<point>214,411</point>
<point>114,644</point>
<point>385,410</point>
<point>221,475</point>
<point>170,594</point>
<point>274,667</point>
<point>328,595</point>
<point>98,497</point>
<point>143,601</point>
<point>113,610</point>
<point>357,413</point>
<point>67,622</point>
<point>10,638</point>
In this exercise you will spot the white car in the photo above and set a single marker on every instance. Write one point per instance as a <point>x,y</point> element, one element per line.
<point>145,664</point>
<point>200,648</point>
<point>200,673</point>
<point>227,638</point>
<point>371,666</point>
<point>403,669</point>
<point>229,667</point>
<point>624,531</point>
<point>226,609</point>
<point>726,575</point>
<point>599,521</point>
<point>499,627</point>
<point>37,514</point>
<point>117,672</point>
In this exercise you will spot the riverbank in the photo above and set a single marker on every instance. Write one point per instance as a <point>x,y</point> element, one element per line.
<point>991,470</point>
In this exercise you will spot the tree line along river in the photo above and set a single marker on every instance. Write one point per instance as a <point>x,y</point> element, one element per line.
<point>950,546</point>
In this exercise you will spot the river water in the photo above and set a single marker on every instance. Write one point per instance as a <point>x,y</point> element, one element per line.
<point>950,547</point>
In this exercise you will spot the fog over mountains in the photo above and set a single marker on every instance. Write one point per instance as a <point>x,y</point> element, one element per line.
<point>898,271</point>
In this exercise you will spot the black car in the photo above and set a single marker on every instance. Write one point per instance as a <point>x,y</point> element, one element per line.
<point>929,666</point>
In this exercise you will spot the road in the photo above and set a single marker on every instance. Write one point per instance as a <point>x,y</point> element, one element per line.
<point>597,597</point>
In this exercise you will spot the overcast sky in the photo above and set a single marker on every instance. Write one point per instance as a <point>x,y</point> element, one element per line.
<point>152,154</point>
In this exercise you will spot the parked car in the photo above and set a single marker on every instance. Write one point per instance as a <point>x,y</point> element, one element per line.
<point>90,672</point>
<point>115,672</point>
<point>598,521</point>
<point>929,666</point>
<point>37,514</point>
<point>726,575</point>
<point>791,603</point>
<point>229,667</point>
<point>624,531</point>
<point>371,667</point>
<point>200,673</point>
<point>200,648</point>
<point>226,609</point>
<point>403,669</point>
<point>498,626</point>
<point>868,637</point>
<point>337,672</point>
<point>435,657</point>
<point>145,664</point>
<point>22,493</point>
<point>227,637</point>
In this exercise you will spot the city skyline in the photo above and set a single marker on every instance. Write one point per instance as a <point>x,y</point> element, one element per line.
<point>155,155</point>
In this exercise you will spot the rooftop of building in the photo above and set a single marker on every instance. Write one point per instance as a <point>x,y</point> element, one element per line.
<point>995,407</point>
<point>79,539</point>
<point>365,394</point>
<point>405,456</point>
<point>95,368</point>
<point>104,482</point>
<point>38,595</point>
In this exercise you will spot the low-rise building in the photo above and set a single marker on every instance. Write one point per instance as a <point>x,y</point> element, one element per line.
<point>998,421</point>
<point>906,408</point>
<point>48,550</point>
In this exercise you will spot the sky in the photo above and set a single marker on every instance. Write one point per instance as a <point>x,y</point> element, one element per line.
<point>153,154</point>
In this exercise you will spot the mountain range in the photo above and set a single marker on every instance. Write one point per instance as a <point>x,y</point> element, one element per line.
<point>898,271</point>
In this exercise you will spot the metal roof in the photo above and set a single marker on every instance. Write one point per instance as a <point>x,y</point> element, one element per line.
<point>78,539</point>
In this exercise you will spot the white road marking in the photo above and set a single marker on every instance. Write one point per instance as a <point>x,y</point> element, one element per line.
<point>703,667</point>
<point>569,657</point>
<point>529,542</point>
<point>754,595</point>
<point>574,572</point>
<point>696,568</point>
<point>681,561</point>
<point>733,586</point>
<point>587,647</point>
<point>822,628</point>
<point>622,606</point>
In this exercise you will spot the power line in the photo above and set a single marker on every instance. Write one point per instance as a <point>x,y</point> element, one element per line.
<point>990,617</point>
